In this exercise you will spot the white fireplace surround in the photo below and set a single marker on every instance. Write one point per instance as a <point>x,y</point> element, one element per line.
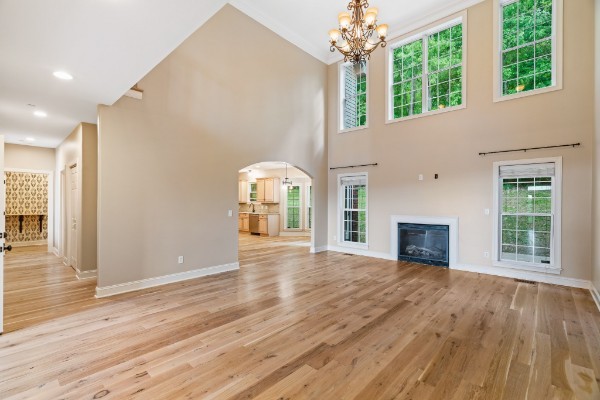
<point>452,223</point>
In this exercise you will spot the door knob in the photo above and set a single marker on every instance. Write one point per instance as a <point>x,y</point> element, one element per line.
<point>6,248</point>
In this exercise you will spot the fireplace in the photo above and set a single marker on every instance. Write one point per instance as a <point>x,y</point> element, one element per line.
<point>424,243</point>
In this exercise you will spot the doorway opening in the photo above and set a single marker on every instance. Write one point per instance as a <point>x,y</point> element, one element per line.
<point>275,210</point>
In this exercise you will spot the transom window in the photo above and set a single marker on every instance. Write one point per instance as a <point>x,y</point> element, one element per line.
<point>353,96</point>
<point>528,46</point>
<point>353,209</point>
<point>527,215</point>
<point>426,71</point>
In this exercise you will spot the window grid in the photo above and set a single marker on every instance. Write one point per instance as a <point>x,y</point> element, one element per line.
<point>526,220</point>
<point>440,57</point>
<point>354,103</point>
<point>293,207</point>
<point>444,60</point>
<point>355,213</point>
<point>526,45</point>
<point>408,79</point>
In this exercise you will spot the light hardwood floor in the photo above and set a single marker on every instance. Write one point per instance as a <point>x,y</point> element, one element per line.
<point>328,326</point>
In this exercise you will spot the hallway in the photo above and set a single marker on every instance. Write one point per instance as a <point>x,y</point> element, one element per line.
<point>39,287</point>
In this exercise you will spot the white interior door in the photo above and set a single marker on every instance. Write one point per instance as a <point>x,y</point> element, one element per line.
<point>2,226</point>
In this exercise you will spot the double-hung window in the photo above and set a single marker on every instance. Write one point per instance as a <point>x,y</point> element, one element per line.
<point>427,71</point>
<point>527,47</point>
<point>353,96</point>
<point>353,210</point>
<point>528,215</point>
<point>309,213</point>
<point>293,207</point>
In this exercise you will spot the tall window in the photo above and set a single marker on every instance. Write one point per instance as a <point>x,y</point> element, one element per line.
<point>293,207</point>
<point>527,45</point>
<point>353,198</point>
<point>353,96</point>
<point>426,71</point>
<point>527,197</point>
<point>309,207</point>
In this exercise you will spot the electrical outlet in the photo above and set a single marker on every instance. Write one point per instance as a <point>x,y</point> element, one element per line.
<point>486,211</point>
<point>180,259</point>
<point>486,254</point>
<point>420,177</point>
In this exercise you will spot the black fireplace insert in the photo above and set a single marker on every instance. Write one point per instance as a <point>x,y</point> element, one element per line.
<point>423,243</point>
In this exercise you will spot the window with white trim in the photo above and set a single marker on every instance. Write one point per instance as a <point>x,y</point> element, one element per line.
<point>353,209</point>
<point>426,71</point>
<point>527,45</point>
<point>252,192</point>
<point>353,96</point>
<point>528,194</point>
<point>293,207</point>
<point>308,207</point>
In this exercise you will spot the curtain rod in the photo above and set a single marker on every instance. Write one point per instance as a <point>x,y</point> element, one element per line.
<point>531,148</point>
<point>354,166</point>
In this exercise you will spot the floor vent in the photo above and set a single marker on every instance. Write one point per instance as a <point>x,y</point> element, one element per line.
<point>348,254</point>
<point>524,281</point>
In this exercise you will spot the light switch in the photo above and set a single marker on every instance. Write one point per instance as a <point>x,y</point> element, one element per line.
<point>420,177</point>
<point>230,213</point>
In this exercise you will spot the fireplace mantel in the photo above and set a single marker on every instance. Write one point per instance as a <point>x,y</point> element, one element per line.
<point>452,223</point>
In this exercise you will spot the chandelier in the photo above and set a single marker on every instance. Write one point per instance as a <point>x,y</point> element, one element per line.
<point>287,182</point>
<point>354,38</point>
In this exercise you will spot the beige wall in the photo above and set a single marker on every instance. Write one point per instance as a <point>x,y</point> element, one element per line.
<point>449,143</point>
<point>169,163</point>
<point>80,147</point>
<point>28,157</point>
<point>596,169</point>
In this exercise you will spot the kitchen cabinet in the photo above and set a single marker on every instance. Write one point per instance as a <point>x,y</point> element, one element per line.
<point>244,222</point>
<point>243,191</point>
<point>267,190</point>
<point>268,225</point>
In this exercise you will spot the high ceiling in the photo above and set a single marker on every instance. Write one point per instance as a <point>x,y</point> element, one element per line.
<point>108,45</point>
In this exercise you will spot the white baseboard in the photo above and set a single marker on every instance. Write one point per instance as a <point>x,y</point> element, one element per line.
<point>55,251</point>
<point>320,249</point>
<point>361,252</point>
<point>526,275</point>
<point>31,243</point>
<point>595,295</point>
<point>86,274</point>
<point>163,280</point>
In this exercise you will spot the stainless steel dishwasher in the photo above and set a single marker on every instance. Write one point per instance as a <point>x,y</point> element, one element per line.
<point>254,223</point>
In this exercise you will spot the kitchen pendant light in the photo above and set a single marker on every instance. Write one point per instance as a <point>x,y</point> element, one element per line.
<point>286,181</point>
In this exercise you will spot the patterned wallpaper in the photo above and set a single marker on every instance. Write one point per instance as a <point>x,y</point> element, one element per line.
<point>31,229</point>
<point>26,193</point>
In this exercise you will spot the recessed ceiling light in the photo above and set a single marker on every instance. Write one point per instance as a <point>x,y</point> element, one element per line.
<point>40,114</point>
<point>65,76</point>
<point>30,139</point>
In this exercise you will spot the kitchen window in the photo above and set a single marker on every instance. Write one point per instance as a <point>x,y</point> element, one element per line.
<point>293,207</point>
<point>527,209</point>
<point>353,210</point>
<point>527,47</point>
<point>426,72</point>
<point>353,96</point>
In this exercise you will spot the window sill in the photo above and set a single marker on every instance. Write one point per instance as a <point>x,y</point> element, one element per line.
<point>352,245</point>
<point>541,268</point>
<point>427,114</point>
<point>498,98</point>
<point>349,130</point>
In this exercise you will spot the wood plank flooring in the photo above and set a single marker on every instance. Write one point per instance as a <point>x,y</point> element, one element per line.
<point>294,325</point>
<point>39,287</point>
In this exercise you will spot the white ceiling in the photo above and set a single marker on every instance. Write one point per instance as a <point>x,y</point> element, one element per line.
<point>108,45</point>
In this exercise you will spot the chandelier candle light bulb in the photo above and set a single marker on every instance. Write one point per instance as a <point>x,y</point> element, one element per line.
<point>354,39</point>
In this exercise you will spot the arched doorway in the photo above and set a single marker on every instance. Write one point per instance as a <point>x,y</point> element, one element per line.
<point>275,207</point>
